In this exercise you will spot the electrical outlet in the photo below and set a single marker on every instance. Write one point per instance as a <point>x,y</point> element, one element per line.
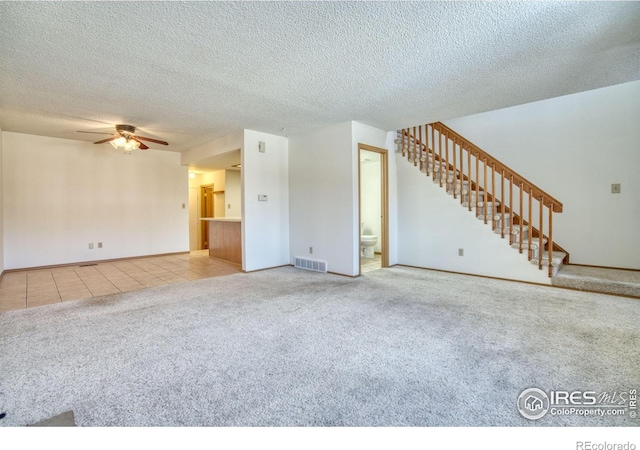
<point>460,252</point>
<point>184,206</point>
<point>90,245</point>
<point>229,206</point>
<point>99,244</point>
<point>311,250</point>
<point>615,188</point>
<point>261,147</point>
<point>262,198</point>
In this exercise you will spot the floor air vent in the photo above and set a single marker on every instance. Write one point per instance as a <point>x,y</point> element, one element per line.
<point>310,264</point>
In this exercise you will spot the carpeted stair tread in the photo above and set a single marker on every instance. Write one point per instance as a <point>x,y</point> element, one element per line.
<point>534,243</point>
<point>595,279</point>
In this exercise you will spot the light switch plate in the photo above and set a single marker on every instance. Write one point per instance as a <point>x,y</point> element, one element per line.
<point>262,198</point>
<point>615,188</point>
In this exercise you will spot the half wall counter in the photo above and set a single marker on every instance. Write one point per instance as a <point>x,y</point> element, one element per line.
<point>225,238</point>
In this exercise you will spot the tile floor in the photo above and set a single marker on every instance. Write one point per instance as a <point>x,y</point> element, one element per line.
<point>367,265</point>
<point>29,288</point>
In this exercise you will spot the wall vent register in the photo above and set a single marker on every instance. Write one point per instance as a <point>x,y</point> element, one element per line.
<point>310,264</point>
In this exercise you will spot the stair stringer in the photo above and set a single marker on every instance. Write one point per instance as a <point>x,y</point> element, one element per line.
<point>432,226</point>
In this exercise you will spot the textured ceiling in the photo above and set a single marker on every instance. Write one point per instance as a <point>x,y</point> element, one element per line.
<point>189,72</point>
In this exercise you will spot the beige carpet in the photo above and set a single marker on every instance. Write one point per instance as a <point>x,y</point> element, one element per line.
<point>287,347</point>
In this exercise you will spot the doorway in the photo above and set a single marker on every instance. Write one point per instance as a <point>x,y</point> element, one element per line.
<point>207,205</point>
<point>373,201</point>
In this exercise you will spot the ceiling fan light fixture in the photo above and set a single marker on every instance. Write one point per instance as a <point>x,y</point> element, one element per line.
<point>126,139</point>
<point>131,145</point>
<point>125,144</point>
<point>120,142</point>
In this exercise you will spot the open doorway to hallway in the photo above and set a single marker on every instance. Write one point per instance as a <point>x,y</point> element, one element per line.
<point>215,190</point>
<point>373,208</point>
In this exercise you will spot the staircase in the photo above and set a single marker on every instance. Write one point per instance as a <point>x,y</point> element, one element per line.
<point>513,207</point>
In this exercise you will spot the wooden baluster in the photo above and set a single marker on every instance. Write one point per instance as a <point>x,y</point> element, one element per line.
<point>421,143</point>
<point>486,192</point>
<point>550,242</point>
<point>511,210</point>
<point>540,236</point>
<point>446,162</point>
<point>404,137</point>
<point>521,215</point>
<point>408,143</point>
<point>455,169</point>
<point>477,181</point>
<point>433,159</point>
<point>461,174</point>
<point>440,156</point>
<point>469,197</point>
<point>430,153</point>
<point>530,233</point>
<point>426,149</point>
<point>415,146</point>
<point>493,196</point>
<point>502,207</point>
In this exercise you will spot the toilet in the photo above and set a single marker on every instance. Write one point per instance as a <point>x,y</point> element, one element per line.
<point>368,241</point>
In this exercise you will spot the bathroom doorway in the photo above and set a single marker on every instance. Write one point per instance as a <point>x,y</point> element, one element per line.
<point>373,198</point>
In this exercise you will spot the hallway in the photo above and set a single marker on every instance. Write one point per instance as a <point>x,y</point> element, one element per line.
<point>30,288</point>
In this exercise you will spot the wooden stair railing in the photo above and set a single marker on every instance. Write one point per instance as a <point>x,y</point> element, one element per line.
<point>454,162</point>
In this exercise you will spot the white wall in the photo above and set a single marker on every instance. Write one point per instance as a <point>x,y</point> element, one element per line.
<point>432,227</point>
<point>60,195</point>
<point>265,224</point>
<point>218,146</point>
<point>217,178</point>
<point>393,199</point>
<point>233,194</point>
<point>574,147</point>
<point>322,207</point>
<point>323,186</point>
<point>1,212</point>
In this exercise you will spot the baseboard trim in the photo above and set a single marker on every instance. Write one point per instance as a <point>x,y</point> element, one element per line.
<point>266,268</point>
<point>99,261</point>
<point>344,275</point>
<point>520,281</point>
<point>477,275</point>
<point>603,267</point>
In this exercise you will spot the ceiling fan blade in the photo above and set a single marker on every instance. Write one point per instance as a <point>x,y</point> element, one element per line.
<point>142,146</point>
<point>107,140</point>
<point>152,140</point>
<point>93,132</point>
